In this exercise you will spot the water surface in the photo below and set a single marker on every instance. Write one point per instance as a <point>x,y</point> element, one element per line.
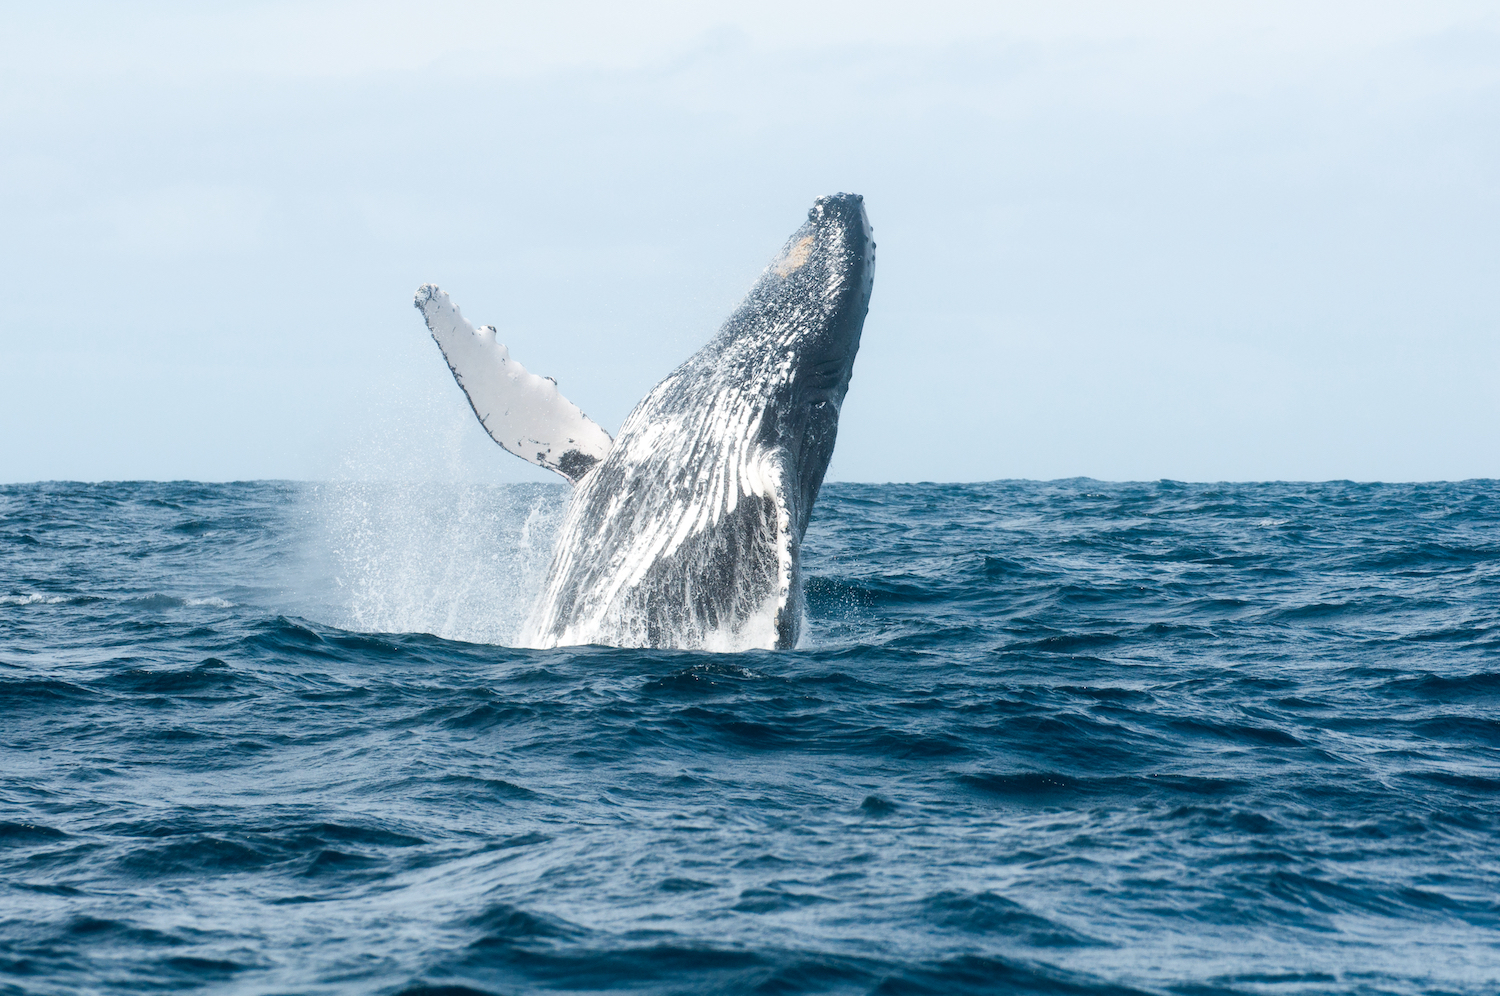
<point>1063,737</point>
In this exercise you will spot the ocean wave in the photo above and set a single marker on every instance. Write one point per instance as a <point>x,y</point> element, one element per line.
<point>1040,737</point>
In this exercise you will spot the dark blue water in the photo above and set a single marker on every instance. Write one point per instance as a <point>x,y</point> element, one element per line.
<point>1067,737</point>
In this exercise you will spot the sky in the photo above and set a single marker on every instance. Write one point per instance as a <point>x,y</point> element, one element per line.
<point>1189,240</point>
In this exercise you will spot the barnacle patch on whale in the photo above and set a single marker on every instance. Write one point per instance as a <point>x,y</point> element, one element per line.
<point>795,258</point>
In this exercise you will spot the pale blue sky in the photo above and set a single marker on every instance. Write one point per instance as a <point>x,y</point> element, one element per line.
<point>1122,240</point>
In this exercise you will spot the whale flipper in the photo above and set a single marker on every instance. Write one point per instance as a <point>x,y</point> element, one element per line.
<point>522,412</point>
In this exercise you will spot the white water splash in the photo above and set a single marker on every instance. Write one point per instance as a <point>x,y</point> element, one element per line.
<point>33,598</point>
<point>405,540</point>
<point>460,561</point>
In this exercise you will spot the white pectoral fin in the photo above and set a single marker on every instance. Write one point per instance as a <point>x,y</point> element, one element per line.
<point>522,412</point>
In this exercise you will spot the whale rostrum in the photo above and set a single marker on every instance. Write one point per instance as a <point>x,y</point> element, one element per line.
<point>685,530</point>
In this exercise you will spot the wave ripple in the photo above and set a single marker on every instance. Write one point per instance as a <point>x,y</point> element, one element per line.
<point>1065,737</point>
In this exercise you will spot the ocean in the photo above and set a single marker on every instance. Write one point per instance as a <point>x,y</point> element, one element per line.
<point>1063,737</point>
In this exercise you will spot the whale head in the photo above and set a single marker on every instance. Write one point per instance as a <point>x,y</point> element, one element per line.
<point>796,336</point>
<point>688,533</point>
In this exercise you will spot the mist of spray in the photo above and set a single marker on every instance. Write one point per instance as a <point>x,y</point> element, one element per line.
<point>407,545</point>
<point>460,561</point>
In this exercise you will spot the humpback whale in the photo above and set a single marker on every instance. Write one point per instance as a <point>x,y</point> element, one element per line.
<point>685,530</point>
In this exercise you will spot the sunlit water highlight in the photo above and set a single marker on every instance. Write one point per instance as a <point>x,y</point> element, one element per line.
<point>1065,737</point>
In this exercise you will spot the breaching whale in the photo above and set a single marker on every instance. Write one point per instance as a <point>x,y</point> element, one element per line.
<point>685,530</point>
